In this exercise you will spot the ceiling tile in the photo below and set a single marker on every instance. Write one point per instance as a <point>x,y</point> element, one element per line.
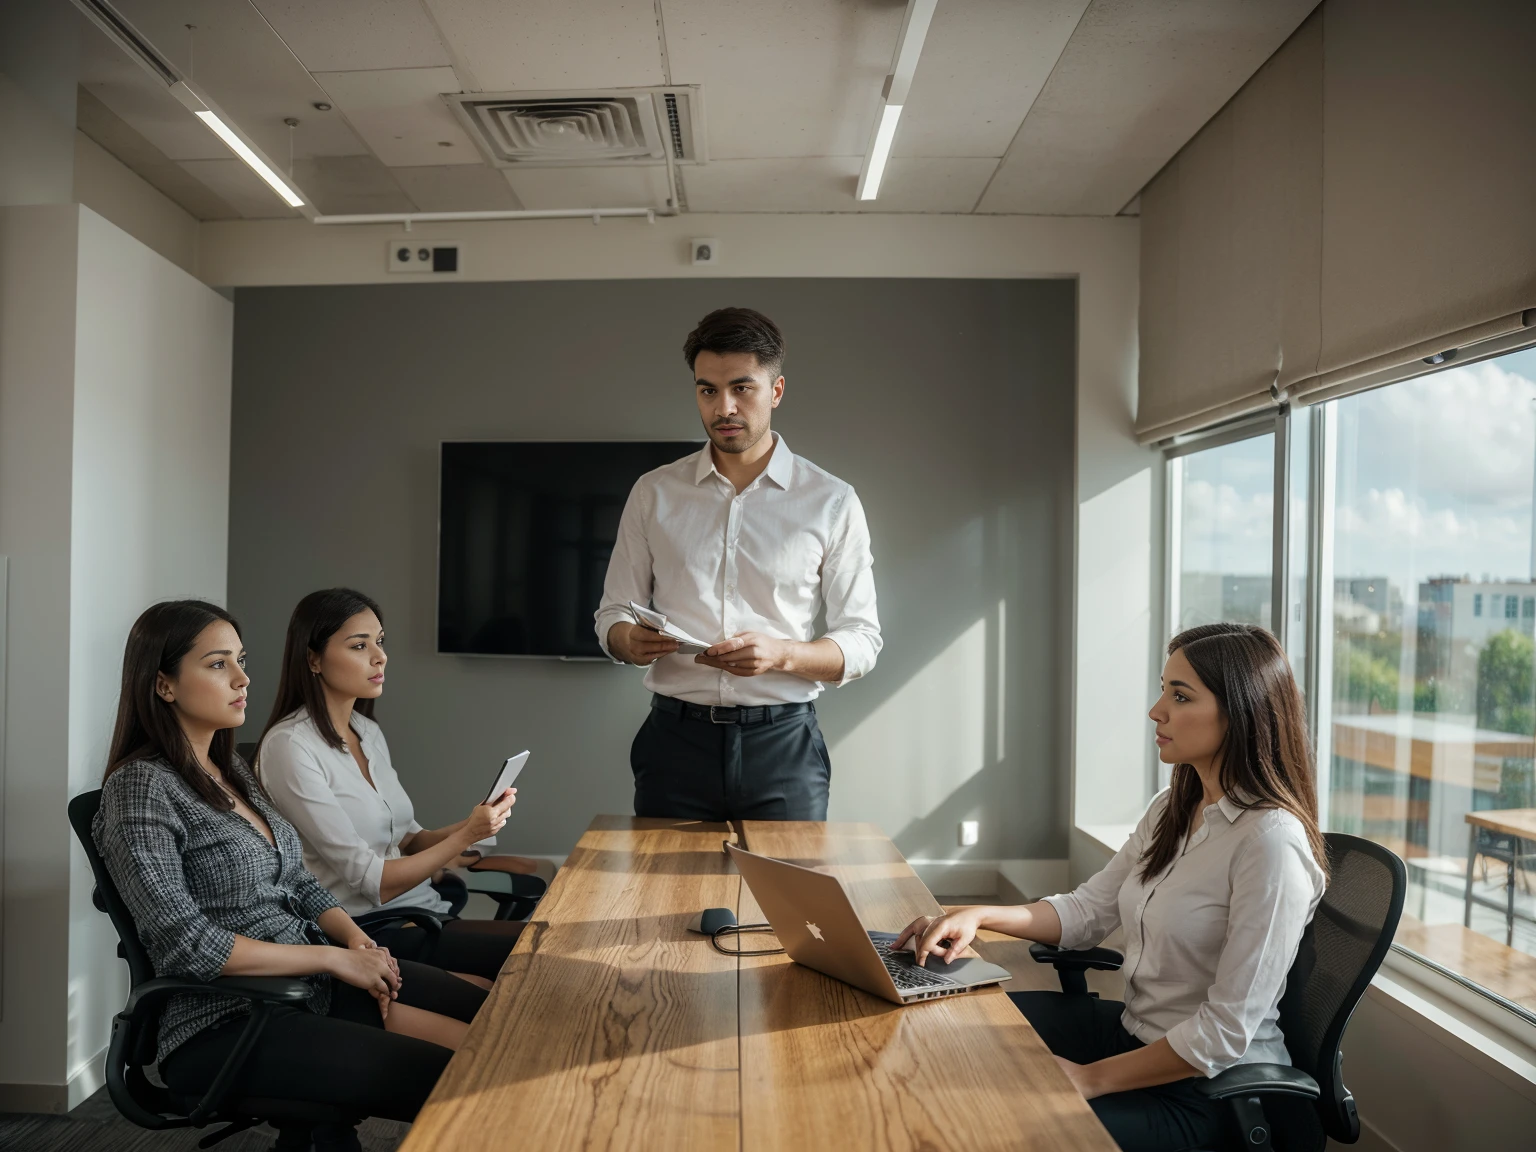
<point>1135,83</point>
<point>929,184</point>
<point>797,79</point>
<point>143,103</point>
<point>345,35</point>
<point>456,188</point>
<point>243,65</point>
<point>781,184</point>
<point>827,184</point>
<point>106,128</point>
<point>983,64</point>
<point>528,45</point>
<point>238,186</point>
<point>400,114</point>
<point>632,186</point>
<point>347,184</point>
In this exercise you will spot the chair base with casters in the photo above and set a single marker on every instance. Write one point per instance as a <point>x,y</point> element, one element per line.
<point>1339,953</point>
<point>132,1047</point>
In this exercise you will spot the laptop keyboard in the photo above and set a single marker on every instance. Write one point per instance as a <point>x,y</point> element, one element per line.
<point>907,975</point>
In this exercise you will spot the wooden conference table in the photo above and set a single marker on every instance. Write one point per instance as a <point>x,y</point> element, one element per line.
<point>613,1027</point>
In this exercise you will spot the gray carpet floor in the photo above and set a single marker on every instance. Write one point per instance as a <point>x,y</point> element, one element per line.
<point>95,1126</point>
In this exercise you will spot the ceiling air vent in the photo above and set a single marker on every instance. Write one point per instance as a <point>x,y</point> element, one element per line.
<point>618,127</point>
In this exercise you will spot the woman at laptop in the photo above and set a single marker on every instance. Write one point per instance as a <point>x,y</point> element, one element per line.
<point>1213,889</point>
<point>326,765</point>
<point>211,873</point>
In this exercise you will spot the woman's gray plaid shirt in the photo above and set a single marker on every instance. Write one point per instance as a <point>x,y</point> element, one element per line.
<point>194,878</point>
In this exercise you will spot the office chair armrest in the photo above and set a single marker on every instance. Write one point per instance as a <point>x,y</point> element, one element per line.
<point>263,993</point>
<point>267,989</point>
<point>1259,1080</point>
<point>377,921</point>
<point>512,884</point>
<point>1077,959</point>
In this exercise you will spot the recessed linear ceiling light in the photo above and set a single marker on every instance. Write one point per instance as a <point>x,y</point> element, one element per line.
<point>141,51</point>
<point>209,113</point>
<point>243,150</point>
<point>909,46</point>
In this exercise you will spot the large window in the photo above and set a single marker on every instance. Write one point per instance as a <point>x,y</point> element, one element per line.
<point>1410,615</point>
<point>1221,537</point>
<point>1430,684</point>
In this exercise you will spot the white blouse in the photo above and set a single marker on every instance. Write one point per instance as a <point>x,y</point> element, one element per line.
<point>1209,941</point>
<point>348,828</point>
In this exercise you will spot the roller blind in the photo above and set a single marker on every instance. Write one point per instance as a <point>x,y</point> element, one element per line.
<point>1429,206</point>
<point>1231,241</point>
<point>1367,199</point>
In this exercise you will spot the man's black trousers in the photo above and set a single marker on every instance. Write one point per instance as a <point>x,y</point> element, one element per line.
<point>693,762</point>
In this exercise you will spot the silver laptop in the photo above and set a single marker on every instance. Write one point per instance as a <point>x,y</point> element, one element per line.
<point>814,920</point>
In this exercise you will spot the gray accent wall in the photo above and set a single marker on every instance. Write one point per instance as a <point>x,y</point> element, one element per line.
<point>948,404</point>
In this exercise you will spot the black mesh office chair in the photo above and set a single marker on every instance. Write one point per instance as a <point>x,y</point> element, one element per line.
<point>1340,951</point>
<point>131,1049</point>
<point>515,895</point>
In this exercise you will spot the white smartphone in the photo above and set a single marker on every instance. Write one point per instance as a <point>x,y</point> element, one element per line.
<point>506,776</point>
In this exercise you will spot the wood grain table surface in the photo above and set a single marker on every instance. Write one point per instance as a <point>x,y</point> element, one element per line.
<point>612,1027</point>
<point>1519,822</point>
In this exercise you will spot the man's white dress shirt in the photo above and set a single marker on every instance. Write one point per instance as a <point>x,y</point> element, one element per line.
<point>1208,942</point>
<point>348,828</point>
<point>765,560</point>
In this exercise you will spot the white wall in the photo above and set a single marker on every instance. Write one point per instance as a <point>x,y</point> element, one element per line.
<point>38,253</point>
<point>149,520</point>
<point>108,187</point>
<point>114,481</point>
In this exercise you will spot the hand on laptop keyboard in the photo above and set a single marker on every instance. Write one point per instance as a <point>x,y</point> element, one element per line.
<point>906,974</point>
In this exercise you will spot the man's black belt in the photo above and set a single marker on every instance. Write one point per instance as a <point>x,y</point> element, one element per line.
<point>730,714</point>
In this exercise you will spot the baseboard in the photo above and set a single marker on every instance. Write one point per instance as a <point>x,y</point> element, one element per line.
<point>88,1079</point>
<point>49,1098</point>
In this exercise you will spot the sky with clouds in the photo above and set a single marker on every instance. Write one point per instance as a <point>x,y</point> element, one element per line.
<point>1434,478</point>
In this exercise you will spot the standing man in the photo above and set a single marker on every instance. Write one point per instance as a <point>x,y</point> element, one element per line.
<point>741,545</point>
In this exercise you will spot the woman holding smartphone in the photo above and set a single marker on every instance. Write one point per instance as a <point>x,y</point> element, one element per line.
<point>210,871</point>
<point>326,764</point>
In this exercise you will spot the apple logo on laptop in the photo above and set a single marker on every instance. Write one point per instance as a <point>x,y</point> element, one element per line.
<point>815,931</point>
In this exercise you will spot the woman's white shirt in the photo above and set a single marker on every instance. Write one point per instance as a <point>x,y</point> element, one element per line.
<point>1209,941</point>
<point>349,829</point>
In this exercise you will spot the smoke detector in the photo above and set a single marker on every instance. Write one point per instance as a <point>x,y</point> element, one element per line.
<point>617,127</point>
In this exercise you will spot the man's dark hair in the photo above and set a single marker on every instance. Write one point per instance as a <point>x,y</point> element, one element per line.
<point>737,330</point>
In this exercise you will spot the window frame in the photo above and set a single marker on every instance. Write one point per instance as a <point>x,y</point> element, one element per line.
<point>1312,429</point>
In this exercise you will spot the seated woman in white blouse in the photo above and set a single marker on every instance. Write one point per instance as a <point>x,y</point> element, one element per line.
<point>326,765</point>
<point>1214,889</point>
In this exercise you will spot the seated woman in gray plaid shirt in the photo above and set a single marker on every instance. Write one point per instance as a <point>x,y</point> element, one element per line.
<point>214,878</point>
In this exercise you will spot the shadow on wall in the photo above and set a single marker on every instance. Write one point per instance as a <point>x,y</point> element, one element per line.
<point>947,404</point>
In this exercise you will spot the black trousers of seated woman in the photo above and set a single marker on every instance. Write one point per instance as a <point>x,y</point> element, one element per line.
<point>477,947</point>
<point>1168,1118</point>
<point>345,1058</point>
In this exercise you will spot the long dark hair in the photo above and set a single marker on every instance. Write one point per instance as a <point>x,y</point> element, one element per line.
<point>315,619</point>
<point>1266,759</point>
<point>147,728</point>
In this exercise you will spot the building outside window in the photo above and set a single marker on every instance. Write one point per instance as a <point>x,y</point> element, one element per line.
<point>1429,747</point>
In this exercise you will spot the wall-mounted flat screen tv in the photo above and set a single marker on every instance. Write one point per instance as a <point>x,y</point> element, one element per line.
<point>525,529</point>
